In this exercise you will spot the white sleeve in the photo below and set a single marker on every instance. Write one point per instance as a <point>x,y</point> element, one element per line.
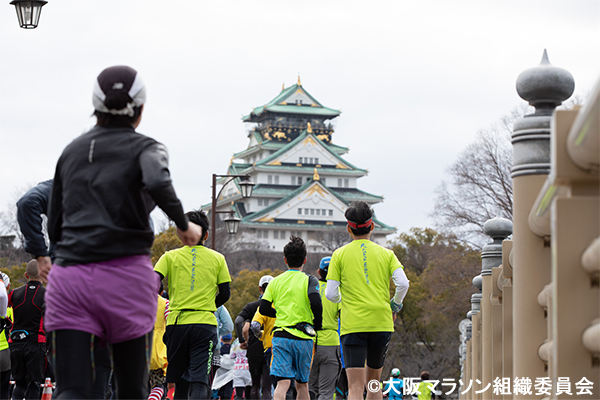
<point>333,291</point>
<point>401,282</point>
<point>3,299</point>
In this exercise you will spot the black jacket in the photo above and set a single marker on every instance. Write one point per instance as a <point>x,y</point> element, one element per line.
<point>30,208</point>
<point>107,181</point>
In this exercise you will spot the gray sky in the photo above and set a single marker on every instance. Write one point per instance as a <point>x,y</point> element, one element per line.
<point>415,80</point>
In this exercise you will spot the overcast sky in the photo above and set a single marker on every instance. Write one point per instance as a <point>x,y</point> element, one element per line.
<point>415,80</point>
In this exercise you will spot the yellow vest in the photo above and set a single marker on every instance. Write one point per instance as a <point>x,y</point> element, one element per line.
<point>3,340</point>
<point>268,324</point>
<point>159,349</point>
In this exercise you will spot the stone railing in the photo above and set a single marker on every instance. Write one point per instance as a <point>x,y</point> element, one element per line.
<point>536,319</point>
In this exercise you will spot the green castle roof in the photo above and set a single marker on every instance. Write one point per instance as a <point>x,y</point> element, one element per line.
<point>279,105</point>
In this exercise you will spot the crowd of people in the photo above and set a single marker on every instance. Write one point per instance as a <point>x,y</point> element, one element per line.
<point>102,327</point>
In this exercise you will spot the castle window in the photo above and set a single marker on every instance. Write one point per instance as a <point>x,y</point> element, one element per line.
<point>324,212</point>
<point>339,182</point>
<point>270,179</point>
<point>299,211</point>
<point>318,211</point>
<point>293,180</point>
<point>312,211</point>
<point>300,160</point>
<point>266,202</point>
<point>260,202</point>
<point>316,160</point>
<point>331,213</point>
<point>277,179</point>
<point>275,234</point>
<point>306,211</point>
<point>346,182</point>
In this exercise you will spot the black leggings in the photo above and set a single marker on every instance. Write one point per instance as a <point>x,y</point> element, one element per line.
<point>75,369</point>
<point>192,390</point>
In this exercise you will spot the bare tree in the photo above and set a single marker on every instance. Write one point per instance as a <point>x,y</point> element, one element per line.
<point>480,186</point>
<point>334,239</point>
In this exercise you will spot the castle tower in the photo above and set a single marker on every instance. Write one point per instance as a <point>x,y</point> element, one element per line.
<point>303,184</point>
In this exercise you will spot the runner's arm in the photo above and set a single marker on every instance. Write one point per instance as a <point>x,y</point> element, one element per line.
<point>402,284</point>
<point>314,297</point>
<point>333,291</point>
<point>223,295</point>
<point>266,309</point>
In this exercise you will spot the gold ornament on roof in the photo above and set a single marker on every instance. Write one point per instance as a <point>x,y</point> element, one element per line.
<point>283,86</point>
<point>316,175</point>
<point>299,83</point>
<point>231,161</point>
<point>308,127</point>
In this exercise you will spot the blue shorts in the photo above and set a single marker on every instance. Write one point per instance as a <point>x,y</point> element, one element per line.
<point>292,358</point>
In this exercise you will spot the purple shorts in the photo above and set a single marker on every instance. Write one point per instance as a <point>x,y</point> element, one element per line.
<point>114,300</point>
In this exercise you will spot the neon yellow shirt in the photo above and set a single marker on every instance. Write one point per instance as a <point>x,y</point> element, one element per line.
<point>3,340</point>
<point>329,335</point>
<point>194,274</point>
<point>424,390</point>
<point>364,269</point>
<point>289,294</point>
<point>159,349</point>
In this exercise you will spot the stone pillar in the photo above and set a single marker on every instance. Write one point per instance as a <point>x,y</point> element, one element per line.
<point>507,313</point>
<point>476,370</point>
<point>491,257</point>
<point>544,87</point>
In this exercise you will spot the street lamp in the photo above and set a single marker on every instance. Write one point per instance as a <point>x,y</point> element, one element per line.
<point>231,223</point>
<point>28,12</point>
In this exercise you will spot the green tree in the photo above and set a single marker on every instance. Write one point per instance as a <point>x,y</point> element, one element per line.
<point>16,273</point>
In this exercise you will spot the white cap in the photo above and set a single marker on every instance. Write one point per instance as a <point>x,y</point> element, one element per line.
<point>265,279</point>
<point>5,279</point>
<point>395,372</point>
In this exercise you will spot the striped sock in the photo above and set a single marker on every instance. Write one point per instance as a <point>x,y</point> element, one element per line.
<point>156,393</point>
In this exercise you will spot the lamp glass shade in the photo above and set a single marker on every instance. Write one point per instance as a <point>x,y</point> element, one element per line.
<point>246,187</point>
<point>232,224</point>
<point>28,12</point>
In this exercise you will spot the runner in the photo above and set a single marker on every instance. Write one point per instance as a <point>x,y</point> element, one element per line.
<point>5,324</point>
<point>27,336</point>
<point>257,365</point>
<point>198,285</point>
<point>326,361</point>
<point>107,181</point>
<point>295,295</point>
<point>359,276</point>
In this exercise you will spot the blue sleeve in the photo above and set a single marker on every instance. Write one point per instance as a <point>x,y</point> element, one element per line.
<point>225,321</point>
<point>30,208</point>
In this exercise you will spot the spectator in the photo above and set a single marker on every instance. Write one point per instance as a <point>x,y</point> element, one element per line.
<point>98,218</point>
<point>198,285</point>
<point>257,365</point>
<point>27,336</point>
<point>326,360</point>
<point>359,276</point>
<point>295,295</point>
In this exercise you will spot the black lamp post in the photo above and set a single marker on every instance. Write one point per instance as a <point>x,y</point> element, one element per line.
<point>28,12</point>
<point>232,223</point>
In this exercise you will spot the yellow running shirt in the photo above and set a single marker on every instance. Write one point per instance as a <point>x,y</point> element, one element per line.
<point>328,336</point>
<point>364,269</point>
<point>194,274</point>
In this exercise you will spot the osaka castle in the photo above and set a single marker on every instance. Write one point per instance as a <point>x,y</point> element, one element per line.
<point>303,185</point>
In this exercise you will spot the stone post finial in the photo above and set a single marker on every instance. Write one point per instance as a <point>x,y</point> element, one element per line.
<point>498,229</point>
<point>544,87</point>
